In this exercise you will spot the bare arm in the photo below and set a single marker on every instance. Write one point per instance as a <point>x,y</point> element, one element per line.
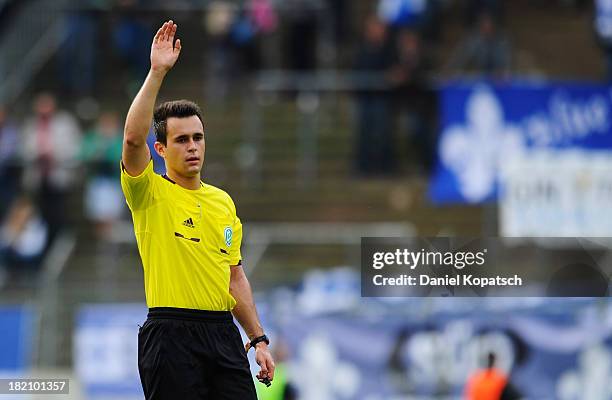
<point>164,53</point>
<point>246,314</point>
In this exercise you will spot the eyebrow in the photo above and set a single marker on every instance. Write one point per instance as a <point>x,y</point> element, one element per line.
<point>186,135</point>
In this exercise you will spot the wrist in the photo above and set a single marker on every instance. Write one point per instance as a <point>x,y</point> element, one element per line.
<point>158,72</point>
<point>259,341</point>
<point>261,345</point>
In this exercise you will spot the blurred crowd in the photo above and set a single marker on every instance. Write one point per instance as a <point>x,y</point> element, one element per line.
<point>41,177</point>
<point>399,44</point>
<point>395,44</point>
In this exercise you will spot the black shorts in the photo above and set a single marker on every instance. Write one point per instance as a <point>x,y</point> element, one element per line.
<point>193,354</point>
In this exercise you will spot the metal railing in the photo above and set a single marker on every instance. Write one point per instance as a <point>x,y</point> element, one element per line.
<point>49,303</point>
<point>260,236</point>
<point>311,89</point>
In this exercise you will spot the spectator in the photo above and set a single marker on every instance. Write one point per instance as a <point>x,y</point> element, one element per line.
<point>78,56</point>
<point>283,388</point>
<point>218,21</point>
<point>475,8</point>
<point>414,102</point>
<point>131,38</point>
<point>486,51</point>
<point>51,143</point>
<point>23,238</point>
<point>264,19</point>
<point>490,384</point>
<point>402,13</point>
<point>244,40</point>
<point>263,15</point>
<point>603,29</point>
<point>301,34</point>
<point>374,137</point>
<point>101,150</point>
<point>417,15</point>
<point>9,163</point>
<point>339,11</point>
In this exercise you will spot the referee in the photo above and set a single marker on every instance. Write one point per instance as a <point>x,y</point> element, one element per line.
<point>189,239</point>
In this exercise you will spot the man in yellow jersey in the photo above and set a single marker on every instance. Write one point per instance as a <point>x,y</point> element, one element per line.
<point>189,238</point>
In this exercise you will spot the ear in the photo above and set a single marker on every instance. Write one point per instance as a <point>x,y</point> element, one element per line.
<point>160,149</point>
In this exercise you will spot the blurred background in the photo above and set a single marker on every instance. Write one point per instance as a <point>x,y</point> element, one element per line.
<point>326,121</point>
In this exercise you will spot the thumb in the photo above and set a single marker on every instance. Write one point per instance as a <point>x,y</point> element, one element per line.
<point>177,45</point>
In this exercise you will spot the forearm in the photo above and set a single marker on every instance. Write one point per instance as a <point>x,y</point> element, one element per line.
<point>245,310</point>
<point>140,114</point>
<point>164,53</point>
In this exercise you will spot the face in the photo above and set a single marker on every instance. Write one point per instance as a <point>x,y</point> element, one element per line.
<point>184,149</point>
<point>375,30</point>
<point>409,42</point>
<point>486,25</point>
<point>44,105</point>
<point>108,124</point>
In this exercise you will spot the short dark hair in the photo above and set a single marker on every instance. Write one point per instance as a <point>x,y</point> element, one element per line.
<point>177,109</point>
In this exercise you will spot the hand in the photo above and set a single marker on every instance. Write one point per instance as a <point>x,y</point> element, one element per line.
<point>164,51</point>
<point>264,360</point>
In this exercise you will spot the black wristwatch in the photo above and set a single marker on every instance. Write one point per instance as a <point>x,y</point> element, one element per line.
<point>262,338</point>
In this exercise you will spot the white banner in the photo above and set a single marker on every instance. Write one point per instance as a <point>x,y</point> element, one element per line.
<point>563,193</point>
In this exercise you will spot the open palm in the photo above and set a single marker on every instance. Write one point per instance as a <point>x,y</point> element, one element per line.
<point>164,51</point>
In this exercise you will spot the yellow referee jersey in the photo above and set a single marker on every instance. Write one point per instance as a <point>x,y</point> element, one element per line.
<point>187,239</point>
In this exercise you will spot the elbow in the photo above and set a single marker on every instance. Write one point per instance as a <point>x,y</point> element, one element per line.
<point>133,141</point>
<point>234,285</point>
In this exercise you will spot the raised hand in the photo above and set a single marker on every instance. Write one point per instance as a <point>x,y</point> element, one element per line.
<point>164,50</point>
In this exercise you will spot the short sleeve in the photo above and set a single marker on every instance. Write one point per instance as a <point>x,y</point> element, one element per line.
<point>234,251</point>
<point>138,190</point>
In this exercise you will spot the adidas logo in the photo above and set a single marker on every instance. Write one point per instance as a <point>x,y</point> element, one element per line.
<point>189,223</point>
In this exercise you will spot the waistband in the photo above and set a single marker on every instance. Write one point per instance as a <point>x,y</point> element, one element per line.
<point>189,314</point>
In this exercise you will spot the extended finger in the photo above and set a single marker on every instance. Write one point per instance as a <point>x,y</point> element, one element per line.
<point>271,368</point>
<point>162,35</point>
<point>168,30</point>
<point>171,32</point>
<point>159,33</point>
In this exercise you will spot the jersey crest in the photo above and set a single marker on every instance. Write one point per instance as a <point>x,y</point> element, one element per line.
<point>227,233</point>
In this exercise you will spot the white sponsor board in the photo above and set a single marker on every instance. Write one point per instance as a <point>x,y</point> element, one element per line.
<point>548,193</point>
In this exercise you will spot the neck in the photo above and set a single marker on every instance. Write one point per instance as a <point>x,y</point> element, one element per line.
<point>188,182</point>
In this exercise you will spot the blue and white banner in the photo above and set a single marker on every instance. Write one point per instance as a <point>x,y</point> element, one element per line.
<point>557,194</point>
<point>484,127</point>
<point>561,349</point>
<point>547,356</point>
<point>106,350</point>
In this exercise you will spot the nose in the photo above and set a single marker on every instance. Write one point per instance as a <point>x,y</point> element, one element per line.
<point>192,146</point>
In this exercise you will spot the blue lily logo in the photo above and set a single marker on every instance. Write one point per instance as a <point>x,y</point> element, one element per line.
<point>227,234</point>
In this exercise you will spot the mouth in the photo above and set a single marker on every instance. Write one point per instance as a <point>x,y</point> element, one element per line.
<point>191,160</point>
